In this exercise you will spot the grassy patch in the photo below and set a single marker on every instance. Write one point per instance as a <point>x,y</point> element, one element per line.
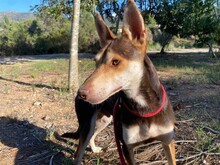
<point>190,69</point>
<point>39,70</point>
<point>86,66</point>
<point>205,141</point>
<point>35,68</point>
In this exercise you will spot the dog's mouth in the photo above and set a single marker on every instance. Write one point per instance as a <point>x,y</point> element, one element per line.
<point>101,100</point>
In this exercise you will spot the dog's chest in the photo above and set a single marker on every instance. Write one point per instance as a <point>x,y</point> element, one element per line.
<point>140,132</point>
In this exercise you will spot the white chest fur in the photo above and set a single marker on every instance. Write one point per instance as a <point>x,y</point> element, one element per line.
<point>137,133</point>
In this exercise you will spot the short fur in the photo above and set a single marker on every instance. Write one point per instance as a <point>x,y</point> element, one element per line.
<point>124,71</point>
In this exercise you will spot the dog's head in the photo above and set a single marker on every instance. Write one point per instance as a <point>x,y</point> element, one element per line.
<point>119,63</point>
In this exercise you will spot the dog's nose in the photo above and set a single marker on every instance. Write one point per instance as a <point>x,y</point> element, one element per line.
<point>83,94</point>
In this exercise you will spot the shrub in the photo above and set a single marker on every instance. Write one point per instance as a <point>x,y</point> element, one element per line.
<point>88,38</point>
<point>46,35</point>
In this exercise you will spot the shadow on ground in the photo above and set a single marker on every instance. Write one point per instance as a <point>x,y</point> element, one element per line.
<point>22,59</point>
<point>33,85</point>
<point>28,143</point>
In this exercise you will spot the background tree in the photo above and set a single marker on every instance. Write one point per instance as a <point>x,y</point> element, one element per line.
<point>170,16</point>
<point>57,8</point>
<point>185,18</point>
<point>112,11</point>
<point>73,62</point>
<point>201,21</point>
<point>50,31</point>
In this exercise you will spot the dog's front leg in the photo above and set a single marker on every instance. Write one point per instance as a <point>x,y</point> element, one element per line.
<point>129,154</point>
<point>86,115</point>
<point>102,121</point>
<point>170,152</point>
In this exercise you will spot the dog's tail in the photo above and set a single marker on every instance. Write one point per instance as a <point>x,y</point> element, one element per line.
<point>72,135</point>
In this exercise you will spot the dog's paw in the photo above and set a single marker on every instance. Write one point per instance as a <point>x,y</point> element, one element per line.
<point>97,150</point>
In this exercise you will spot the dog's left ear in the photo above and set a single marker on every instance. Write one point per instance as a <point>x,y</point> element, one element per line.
<point>133,23</point>
<point>105,34</point>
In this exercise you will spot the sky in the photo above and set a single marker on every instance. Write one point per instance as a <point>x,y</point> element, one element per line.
<point>18,5</point>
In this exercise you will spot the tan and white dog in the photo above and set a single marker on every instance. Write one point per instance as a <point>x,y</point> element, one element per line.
<point>124,72</point>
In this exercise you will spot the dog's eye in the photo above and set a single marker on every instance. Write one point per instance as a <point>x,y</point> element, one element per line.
<point>115,62</point>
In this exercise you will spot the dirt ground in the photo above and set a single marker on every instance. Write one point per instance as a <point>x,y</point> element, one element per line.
<point>32,117</point>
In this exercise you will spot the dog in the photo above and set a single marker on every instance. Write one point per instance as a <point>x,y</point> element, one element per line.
<point>124,84</point>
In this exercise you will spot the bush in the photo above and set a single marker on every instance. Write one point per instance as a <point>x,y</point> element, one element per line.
<point>46,35</point>
<point>88,38</point>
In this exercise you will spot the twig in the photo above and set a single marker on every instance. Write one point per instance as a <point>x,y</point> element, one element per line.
<point>40,159</point>
<point>185,121</point>
<point>211,130</point>
<point>153,151</point>
<point>51,160</point>
<point>190,157</point>
<point>39,154</point>
<point>153,143</point>
<point>37,160</point>
<point>184,159</point>
<point>215,82</point>
<point>37,138</point>
<point>196,155</point>
<point>192,161</point>
<point>148,144</point>
<point>158,142</point>
<point>112,149</point>
<point>155,162</point>
<point>213,153</point>
<point>185,141</point>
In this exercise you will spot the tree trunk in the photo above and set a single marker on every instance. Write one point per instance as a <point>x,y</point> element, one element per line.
<point>165,41</point>
<point>73,61</point>
<point>211,50</point>
<point>162,51</point>
<point>117,25</point>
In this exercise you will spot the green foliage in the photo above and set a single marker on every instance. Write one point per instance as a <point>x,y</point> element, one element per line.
<point>50,31</point>
<point>217,34</point>
<point>88,39</point>
<point>170,16</point>
<point>57,8</point>
<point>162,38</point>
<point>188,17</point>
<point>201,20</point>
<point>181,43</point>
<point>6,20</point>
<point>34,37</point>
<point>46,35</point>
<point>204,141</point>
<point>113,11</point>
<point>195,69</point>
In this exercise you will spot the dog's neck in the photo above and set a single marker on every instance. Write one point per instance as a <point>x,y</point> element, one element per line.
<point>145,91</point>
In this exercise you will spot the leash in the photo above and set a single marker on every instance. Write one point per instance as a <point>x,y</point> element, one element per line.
<point>118,125</point>
<point>117,130</point>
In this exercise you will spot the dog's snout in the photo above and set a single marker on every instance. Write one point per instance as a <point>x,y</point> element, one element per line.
<point>83,94</point>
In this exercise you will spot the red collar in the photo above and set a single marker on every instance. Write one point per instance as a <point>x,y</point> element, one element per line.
<point>150,114</point>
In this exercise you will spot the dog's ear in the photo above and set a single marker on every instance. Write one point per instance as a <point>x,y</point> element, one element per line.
<point>133,23</point>
<point>105,34</point>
